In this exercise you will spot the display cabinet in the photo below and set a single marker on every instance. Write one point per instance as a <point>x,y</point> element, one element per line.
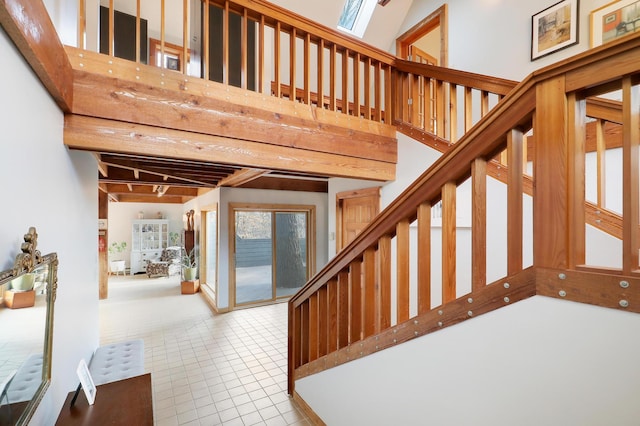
<point>148,238</point>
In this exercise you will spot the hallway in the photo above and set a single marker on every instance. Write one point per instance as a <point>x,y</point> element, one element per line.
<point>207,369</point>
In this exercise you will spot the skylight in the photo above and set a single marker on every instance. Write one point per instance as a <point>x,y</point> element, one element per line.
<point>355,16</point>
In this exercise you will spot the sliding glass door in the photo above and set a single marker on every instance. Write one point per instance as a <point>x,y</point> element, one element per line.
<point>272,252</point>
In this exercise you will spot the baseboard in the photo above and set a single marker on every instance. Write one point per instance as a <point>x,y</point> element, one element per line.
<point>313,417</point>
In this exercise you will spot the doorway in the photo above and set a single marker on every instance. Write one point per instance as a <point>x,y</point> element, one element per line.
<point>273,251</point>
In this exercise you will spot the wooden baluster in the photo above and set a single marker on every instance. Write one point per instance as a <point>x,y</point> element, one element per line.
<point>484,103</point>
<point>601,149</point>
<point>333,104</point>
<point>261,47</point>
<point>367,88</point>
<point>320,88</point>
<point>424,254</point>
<point>440,109</point>
<point>388,95</point>
<point>576,157</point>
<point>225,43</point>
<point>468,109</point>
<point>343,309</point>
<point>138,31</point>
<point>111,26</point>
<point>307,70</point>
<point>205,43</point>
<point>525,153</point>
<point>377,82</point>
<point>82,23</point>
<point>185,36</point>
<point>356,300</point>
<point>402,269</point>
<point>244,39</point>
<point>514,202</point>
<point>292,64</point>
<point>345,81</point>
<point>479,225</point>
<point>630,174</point>
<point>453,113</point>
<point>370,299</point>
<point>162,33</point>
<point>448,242</point>
<point>356,85</point>
<point>304,338</point>
<point>323,325</point>
<point>313,327</point>
<point>384,276</point>
<point>277,58</point>
<point>332,315</point>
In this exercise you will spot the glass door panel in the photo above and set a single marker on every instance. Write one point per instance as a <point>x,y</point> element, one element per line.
<point>291,252</point>
<point>253,257</point>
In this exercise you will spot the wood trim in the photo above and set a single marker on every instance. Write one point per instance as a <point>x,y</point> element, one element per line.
<point>438,18</point>
<point>28,25</point>
<point>302,404</point>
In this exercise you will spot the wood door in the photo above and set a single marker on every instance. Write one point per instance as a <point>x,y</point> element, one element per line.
<point>356,209</point>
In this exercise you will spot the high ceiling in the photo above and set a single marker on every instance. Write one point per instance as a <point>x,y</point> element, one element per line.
<point>127,178</point>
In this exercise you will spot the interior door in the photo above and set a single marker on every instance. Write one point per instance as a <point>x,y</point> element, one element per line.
<point>356,209</point>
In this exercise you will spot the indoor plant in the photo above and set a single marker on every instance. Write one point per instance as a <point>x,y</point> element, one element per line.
<point>116,264</point>
<point>189,265</point>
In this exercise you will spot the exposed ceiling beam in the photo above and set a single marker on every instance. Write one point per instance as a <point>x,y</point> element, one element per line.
<point>95,134</point>
<point>240,177</point>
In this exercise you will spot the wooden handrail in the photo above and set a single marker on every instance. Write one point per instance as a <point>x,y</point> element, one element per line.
<point>553,103</point>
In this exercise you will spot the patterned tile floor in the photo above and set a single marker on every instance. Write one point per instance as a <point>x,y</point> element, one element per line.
<point>206,368</point>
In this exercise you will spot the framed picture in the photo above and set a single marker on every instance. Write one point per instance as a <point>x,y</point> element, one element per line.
<point>86,381</point>
<point>554,28</point>
<point>614,20</point>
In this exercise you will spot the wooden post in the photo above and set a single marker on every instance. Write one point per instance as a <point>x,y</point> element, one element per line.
<point>103,241</point>
<point>550,191</point>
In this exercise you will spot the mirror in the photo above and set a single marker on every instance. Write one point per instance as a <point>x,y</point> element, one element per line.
<point>28,293</point>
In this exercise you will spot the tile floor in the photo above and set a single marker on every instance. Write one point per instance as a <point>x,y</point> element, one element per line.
<point>206,368</point>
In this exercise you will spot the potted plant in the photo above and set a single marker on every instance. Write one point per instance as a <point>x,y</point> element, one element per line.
<point>189,265</point>
<point>116,264</point>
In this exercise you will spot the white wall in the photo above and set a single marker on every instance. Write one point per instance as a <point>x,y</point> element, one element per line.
<point>46,186</point>
<point>540,361</point>
<point>493,37</point>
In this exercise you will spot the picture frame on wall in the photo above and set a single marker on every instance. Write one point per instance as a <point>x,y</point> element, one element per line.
<point>554,28</point>
<point>614,20</point>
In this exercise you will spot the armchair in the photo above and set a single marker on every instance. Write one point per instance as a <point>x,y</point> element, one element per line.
<point>168,264</point>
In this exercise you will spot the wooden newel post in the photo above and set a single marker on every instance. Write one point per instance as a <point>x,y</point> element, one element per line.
<point>558,205</point>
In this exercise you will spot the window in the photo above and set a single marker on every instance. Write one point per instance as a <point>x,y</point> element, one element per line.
<point>355,16</point>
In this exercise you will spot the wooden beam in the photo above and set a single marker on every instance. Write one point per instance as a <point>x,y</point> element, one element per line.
<point>242,117</point>
<point>28,24</point>
<point>95,134</point>
<point>241,177</point>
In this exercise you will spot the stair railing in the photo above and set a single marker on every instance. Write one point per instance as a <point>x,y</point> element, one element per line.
<point>354,306</point>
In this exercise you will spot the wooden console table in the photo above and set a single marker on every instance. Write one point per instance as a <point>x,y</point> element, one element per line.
<point>125,402</point>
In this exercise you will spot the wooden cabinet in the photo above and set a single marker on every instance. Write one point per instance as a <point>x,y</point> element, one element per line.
<point>148,238</point>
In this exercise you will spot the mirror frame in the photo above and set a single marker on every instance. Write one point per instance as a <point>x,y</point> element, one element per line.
<point>26,262</point>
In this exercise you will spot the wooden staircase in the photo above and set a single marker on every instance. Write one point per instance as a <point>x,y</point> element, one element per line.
<point>345,311</point>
